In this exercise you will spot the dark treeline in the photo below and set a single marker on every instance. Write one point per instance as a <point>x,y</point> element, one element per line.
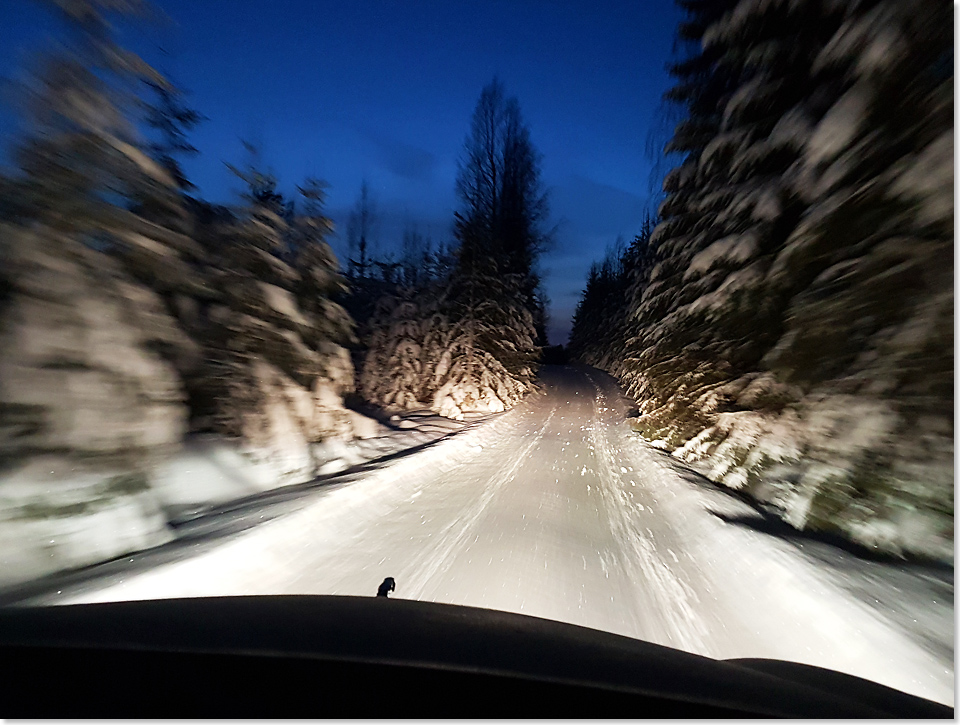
<point>602,323</point>
<point>791,326</point>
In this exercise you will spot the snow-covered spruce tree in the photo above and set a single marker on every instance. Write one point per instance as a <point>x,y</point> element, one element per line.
<point>319,281</point>
<point>484,334</point>
<point>274,367</point>
<point>86,402</point>
<point>637,265</point>
<point>600,315</point>
<point>794,269</point>
<point>394,373</point>
<point>173,266</point>
<point>330,329</point>
<point>409,334</point>
<point>868,334</point>
<point>171,120</point>
<point>491,303</point>
<point>652,372</point>
<point>707,315</point>
<point>466,341</point>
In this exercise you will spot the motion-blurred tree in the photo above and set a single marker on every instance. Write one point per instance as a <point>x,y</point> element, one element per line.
<point>794,327</point>
<point>82,161</point>
<point>319,279</point>
<point>171,119</point>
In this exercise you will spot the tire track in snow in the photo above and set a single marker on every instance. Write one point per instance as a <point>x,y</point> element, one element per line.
<point>452,538</point>
<point>674,600</point>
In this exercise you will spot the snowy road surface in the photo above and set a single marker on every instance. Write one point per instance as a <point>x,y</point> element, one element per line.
<point>555,509</point>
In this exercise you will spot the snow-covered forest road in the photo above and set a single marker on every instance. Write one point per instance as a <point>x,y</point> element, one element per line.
<point>555,509</point>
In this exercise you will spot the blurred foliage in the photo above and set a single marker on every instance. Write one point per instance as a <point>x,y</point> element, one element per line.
<point>215,296</point>
<point>805,245</point>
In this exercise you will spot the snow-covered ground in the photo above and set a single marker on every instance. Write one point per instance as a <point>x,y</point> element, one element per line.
<point>52,524</point>
<point>555,509</point>
<point>210,470</point>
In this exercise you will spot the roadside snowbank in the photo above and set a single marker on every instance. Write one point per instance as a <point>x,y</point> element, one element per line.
<point>83,519</point>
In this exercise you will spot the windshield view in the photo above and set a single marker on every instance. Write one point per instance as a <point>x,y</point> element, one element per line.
<point>636,316</point>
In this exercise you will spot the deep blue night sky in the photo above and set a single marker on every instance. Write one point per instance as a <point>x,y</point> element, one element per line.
<point>384,91</point>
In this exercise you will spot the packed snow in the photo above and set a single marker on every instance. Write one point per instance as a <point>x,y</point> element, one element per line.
<point>557,509</point>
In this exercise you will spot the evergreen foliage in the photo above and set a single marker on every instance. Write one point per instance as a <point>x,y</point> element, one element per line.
<point>602,322</point>
<point>172,120</point>
<point>490,360</point>
<point>466,337</point>
<point>233,311</point>
<point>408,333</point>
<point>273,314</point>
<point>503,204</point>
<point>793,332</point>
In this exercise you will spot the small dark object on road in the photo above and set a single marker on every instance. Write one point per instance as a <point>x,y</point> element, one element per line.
<point>388,586</point>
